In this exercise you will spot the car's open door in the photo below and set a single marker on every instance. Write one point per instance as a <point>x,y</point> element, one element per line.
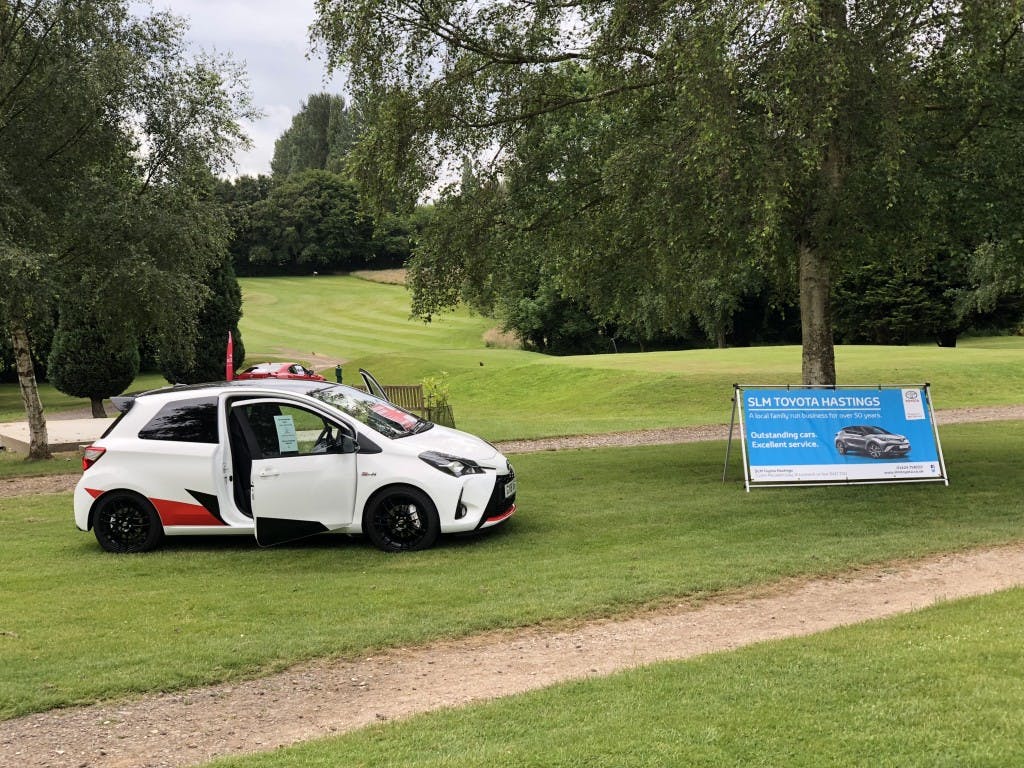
<point>372,385</point>
<point>303,474</point>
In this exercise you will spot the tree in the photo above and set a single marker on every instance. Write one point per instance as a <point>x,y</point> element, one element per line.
<point>680,156</point>
<point>320,137</point>
<point>218,315</point>
<point>311,221</point>
<point>108,134</point>
<point>240,197</point>
<point>889,301</point>
<point>85,361</point>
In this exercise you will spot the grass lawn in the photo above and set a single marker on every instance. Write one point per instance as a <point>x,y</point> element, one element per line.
<point>16,465</point>
<point>599,533</point>
<point>345,318</point>
<point>54,402</point>
<point>941,687</point>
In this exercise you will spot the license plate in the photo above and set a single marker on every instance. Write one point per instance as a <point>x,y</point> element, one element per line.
<point>510,488</point>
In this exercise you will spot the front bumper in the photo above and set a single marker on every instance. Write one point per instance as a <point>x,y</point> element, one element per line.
<point>502,504</point>
<point>896,449</point>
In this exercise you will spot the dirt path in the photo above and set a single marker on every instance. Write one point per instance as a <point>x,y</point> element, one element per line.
<point>325,698</point>
<point>322,698</point>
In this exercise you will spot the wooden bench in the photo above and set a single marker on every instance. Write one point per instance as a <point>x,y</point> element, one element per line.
<point>408,396</point>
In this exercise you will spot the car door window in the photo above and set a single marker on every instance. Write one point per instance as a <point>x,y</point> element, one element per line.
<point>184,421</point>
<point>283,430</point>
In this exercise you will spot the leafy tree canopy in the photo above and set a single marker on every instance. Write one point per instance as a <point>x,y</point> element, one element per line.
<point>87,361</point>
<point>661,159</point>
<point>239,197</point>
<point>109,132</point>
<point>320,137</point>
<point>309,222</point>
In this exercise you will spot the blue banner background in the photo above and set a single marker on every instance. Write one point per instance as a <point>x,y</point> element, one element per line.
<point>798,426</point>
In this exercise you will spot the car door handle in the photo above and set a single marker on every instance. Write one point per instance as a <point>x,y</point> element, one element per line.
<point>268,473</point>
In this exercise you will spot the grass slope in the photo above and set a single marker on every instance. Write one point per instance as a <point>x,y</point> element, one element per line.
<point>506,394</point>
<point>345,318</point>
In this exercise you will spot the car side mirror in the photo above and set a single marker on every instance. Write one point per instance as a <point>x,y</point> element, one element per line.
<point>345,444</point>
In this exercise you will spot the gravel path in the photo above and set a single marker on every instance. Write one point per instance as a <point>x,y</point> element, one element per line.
<point>721,432</point>
<point>323,698</point>
<point>21,486</point>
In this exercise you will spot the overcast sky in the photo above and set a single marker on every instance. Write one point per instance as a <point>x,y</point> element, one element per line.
<point>271,38</point>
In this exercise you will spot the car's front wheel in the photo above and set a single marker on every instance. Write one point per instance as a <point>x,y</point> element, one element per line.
<point>875,450</point>
<point>126,522</point>
<point>401,519</point>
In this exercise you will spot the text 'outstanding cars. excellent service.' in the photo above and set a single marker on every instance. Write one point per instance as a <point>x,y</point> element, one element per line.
<point>284,460</point>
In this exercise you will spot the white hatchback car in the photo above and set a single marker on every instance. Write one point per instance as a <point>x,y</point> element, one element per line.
<point>284,460</point>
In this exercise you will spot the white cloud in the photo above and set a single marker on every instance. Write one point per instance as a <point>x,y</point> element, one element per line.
<point>272,39</point>
<point>252,162</point>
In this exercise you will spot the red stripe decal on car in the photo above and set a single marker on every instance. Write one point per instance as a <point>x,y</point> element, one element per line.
<point>94,492</point>
<point>180,513</point>
<point>503,516</point>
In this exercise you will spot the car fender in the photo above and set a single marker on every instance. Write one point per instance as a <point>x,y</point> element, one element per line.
<point>180,498</point>
<point>86,497</point>
<point>444,490</point>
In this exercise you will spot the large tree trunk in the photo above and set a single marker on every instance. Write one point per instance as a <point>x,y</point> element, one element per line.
<point>819,357</point>
<point>97,408</point>
<point>39,443</point>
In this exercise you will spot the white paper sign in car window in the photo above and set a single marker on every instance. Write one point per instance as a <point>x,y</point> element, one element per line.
<point>287,440</point>
<point>913,404</point>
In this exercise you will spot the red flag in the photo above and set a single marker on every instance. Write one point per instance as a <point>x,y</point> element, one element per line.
<point>230,361</point>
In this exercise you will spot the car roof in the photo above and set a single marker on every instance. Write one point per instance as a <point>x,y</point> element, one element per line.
<point>270,386</point>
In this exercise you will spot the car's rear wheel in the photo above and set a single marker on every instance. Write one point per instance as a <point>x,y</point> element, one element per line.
<point>841,447</point>
<point>126,522</point>
<point>401,519</point>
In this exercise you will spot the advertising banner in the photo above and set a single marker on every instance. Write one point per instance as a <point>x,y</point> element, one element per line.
<point>820,435</point>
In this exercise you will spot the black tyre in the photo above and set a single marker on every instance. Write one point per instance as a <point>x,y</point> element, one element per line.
<point>401,520</point>
<point>875,450</point>
<point>126,522</point>
<point>841,447</point>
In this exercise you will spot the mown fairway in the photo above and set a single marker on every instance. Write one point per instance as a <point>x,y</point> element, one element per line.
<point>504,394</point>
<point>343,317</point>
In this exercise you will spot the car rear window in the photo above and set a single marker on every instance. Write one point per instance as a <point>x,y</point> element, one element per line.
<point>184,421</point>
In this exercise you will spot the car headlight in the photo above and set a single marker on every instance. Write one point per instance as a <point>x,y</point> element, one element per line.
<point>451,465</point>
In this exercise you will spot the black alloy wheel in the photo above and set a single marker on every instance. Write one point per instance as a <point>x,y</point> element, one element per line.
<point>126,522</point>
<point>402,520</point>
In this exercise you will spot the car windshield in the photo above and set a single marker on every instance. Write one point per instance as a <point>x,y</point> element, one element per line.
<point>379,415</point>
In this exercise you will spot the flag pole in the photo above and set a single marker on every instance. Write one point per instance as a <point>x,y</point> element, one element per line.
<point>229,362</point>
